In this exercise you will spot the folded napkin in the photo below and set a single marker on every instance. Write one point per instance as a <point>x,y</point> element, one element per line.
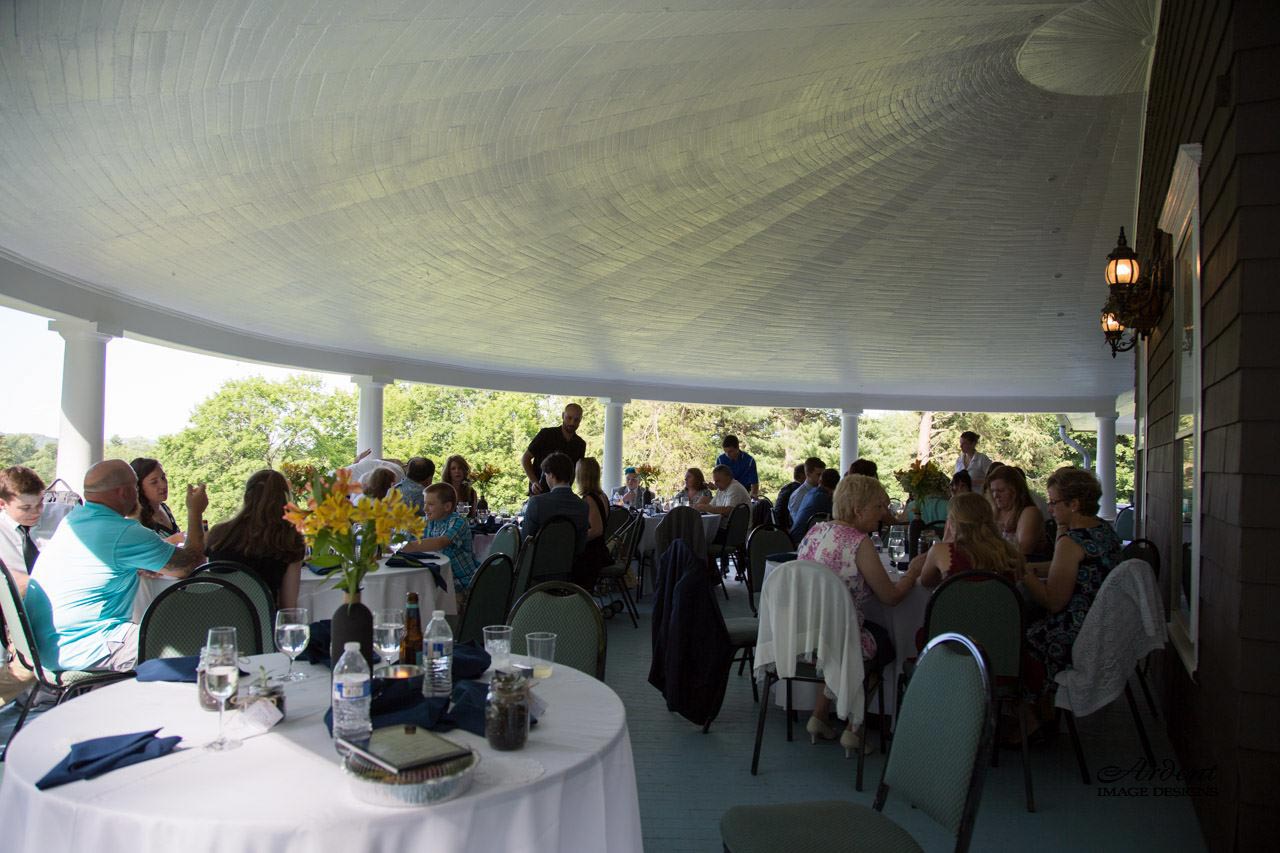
<point>92,758</point>
<point>317,650</point>
<point>316,570</point>
<point>401,560</point>
<point>469,660</point>
<point>181,669</point>
<point>399,702</point>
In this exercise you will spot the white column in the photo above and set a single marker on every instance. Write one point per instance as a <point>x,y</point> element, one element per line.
<point>84,380</point>
<point>1106,464</point>
<point>369,422</point>
<point>848,438</point>
<point>611,467</point>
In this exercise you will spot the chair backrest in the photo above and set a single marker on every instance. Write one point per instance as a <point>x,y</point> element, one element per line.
<point>506,541</point>
<point>739,525</point>
<point>944,725</point>
<point>986,608</point>
<point>15,617</point>
<point>618,516</point>
<point>553,550</point>
<point>568,611</point>
<point>685,523</point>
<point>763,541</point>
<point>254,587</point>
<point>804,606</point>
<point>1124,524</point>
<point>488,599</point>
<point>1145,550</point>
<point>177,623</point>
<point>524,568</point>
<point>629,544</point>
<point>761,512</point>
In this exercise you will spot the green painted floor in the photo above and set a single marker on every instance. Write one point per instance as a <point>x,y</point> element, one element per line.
<point>687,779</point>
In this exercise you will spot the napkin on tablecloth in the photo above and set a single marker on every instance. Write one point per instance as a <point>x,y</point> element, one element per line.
<point>92,758</point>
<point>400,561</point>
<point>469,661</point>
<point>179,669</point>
<point>317,650</point>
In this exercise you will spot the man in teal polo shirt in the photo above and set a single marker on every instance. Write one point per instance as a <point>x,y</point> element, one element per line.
<point>80,598</point>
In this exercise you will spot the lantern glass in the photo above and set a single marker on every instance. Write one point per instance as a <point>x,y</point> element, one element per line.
<point>1111,324</point>
<point>1122,271</point>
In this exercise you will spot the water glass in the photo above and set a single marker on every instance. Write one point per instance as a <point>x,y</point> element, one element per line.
<point>388,632</point>
<point>293,632</point>
<point>222,676</point>
<point>897,544</point>
<point>541,646</point>
<point>497,642</point>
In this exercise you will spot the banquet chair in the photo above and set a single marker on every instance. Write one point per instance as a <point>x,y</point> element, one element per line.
<point>734,546</point>
<point>618,516</point>
<point>63,684</point>
<point>986,607</point>
<point>804,606</point>
<point>761,542</point>
<point>571,614</point>
<point>1145,549</point>
<point>1124,624</point>
<point>761,512</point>
<point>489,598</point>
<point>547,555</point>
<point>253,586</point>
<point>506,541</point>
<point>177,623</point>
<point>935,765</point>
<point>1124,524</point>
<point>614,575</point>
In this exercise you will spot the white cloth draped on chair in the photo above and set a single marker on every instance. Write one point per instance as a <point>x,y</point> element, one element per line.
<point>1124,625</point>
<point>805,607</point>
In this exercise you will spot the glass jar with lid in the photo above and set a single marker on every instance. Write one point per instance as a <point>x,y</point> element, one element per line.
<point>506,715</point>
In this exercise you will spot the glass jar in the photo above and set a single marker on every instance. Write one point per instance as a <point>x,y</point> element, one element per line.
<point>506,714</point>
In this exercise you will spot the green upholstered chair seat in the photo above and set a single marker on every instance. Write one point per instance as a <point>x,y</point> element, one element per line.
<point>742,630</point>
<point>813,827</point>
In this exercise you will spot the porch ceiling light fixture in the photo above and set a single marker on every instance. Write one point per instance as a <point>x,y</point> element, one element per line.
<point>1135,299</point>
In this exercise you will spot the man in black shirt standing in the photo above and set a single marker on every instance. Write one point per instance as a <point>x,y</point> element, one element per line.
<point>560,439</point>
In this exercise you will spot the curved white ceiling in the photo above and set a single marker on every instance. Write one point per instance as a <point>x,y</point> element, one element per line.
<point>683,198</point>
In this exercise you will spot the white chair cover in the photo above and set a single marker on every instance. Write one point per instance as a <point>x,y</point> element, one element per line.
<point>1124,625</point>
<point>804,607</point>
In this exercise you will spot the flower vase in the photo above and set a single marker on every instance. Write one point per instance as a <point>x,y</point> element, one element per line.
<point>352,622</point>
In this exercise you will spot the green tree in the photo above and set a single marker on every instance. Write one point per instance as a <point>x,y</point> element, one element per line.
<point>129,449</point>
<point>36,452</point>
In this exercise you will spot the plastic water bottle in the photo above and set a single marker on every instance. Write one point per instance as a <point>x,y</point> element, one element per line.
<point>437,655</point>
<point>352,689</point>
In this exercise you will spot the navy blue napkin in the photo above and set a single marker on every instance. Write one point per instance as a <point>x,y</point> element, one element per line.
<point>316,570</point>
<point>180,669</point>
<point>402,560</point>
<point>469,660</point>
<point>399,702</point>
<point>317,650</point>
<point>91,758</point>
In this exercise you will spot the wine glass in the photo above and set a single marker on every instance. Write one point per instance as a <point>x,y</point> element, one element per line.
<point>388,632</point>
<point>221,677</point>
<point>897,545</point>
<point>293,632</point>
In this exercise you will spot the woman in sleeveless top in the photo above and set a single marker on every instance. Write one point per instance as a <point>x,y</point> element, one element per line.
<point>595,555</point>
<point>259,538</point>
<point>971,542</point>
<point>1016,514</point>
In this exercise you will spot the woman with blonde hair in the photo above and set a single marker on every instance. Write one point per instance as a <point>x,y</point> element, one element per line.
<point>973,543</point>
<point>1016,515</point>
<point>843,545</point>
<point>595,555</point>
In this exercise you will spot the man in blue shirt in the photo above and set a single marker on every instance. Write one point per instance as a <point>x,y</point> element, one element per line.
<point>816,501</point>
<point>741,464</point>
<point>80,598</point>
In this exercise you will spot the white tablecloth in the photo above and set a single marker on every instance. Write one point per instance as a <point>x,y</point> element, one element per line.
<point>573,787</point>
<point>383,589</point>
<point>710,525</point>
<point>901,621</point>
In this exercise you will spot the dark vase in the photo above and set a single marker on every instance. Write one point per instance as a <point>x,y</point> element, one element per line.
<point>352,622</point>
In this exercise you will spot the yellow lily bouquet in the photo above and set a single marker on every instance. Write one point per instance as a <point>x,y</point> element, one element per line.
<point>483,476</point>
<point>647,472</point>
<point>348,535</point>
<point>924,481</point>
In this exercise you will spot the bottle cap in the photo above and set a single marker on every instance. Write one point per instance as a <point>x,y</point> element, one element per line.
<point>437,614</point>
<point>352,646</point>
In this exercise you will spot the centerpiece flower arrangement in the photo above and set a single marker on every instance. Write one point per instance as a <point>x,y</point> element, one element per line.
<point>647,472</point>
<point>925,480</point>
<point>347,536</point>
<point>482,477</point>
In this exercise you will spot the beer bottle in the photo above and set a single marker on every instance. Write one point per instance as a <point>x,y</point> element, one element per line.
<point>411,645</point>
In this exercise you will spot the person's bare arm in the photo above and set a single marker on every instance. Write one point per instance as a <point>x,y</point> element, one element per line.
<point>1054,593</point>
<point>595,524</point>
<point>526,462</point>
<point>936,564</point>
<point>1030,530</point>
<point>289,585</point>
<point>887,591</point>
<point>755,490</point>
<point>191,555</point>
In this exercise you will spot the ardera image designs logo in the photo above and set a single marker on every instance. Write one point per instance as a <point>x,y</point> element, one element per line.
<point>1161,779</point>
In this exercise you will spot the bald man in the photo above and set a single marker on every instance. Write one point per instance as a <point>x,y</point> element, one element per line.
<point>557,439</point>
<point>80,598</point>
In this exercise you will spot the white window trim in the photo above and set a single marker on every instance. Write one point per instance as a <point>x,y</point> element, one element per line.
<point>1180,219</point>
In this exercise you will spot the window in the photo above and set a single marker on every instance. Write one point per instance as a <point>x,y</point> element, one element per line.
<point>1181,219</point>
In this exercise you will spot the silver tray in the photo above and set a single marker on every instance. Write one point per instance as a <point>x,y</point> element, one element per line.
<point>430,785</point>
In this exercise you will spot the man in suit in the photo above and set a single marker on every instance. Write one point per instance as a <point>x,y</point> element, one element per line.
<point>559,500</point>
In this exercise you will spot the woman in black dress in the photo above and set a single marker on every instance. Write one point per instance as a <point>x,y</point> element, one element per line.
<point>153,491</point>
<point>260,539</point>
<point>595,556</point>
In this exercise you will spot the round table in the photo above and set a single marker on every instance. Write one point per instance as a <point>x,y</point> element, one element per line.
<point>384,589</point>
<point>710,526</point>
<point>901,621</point>
<point>573,787</point>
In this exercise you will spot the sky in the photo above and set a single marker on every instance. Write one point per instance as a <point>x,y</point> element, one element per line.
<point>151,390</point>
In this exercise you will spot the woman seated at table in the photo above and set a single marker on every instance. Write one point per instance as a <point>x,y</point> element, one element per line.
<point>259,538</point>
<point>153,491</point>
<point>1016,514</point>
<point>973,542</point>
<point>695,488</point>
<point>961,483</point>
<point>457,473</point>
<point>378,482</point>
<point>843,546</point>
<point>595,555</point>
<point>447,532</point>
<point>1087,548</point>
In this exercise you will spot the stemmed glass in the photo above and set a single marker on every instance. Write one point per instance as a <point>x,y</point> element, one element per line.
<point>293,632</point>
<point>897,545</point>
<point>221,677</point>
<point>388,633</point>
